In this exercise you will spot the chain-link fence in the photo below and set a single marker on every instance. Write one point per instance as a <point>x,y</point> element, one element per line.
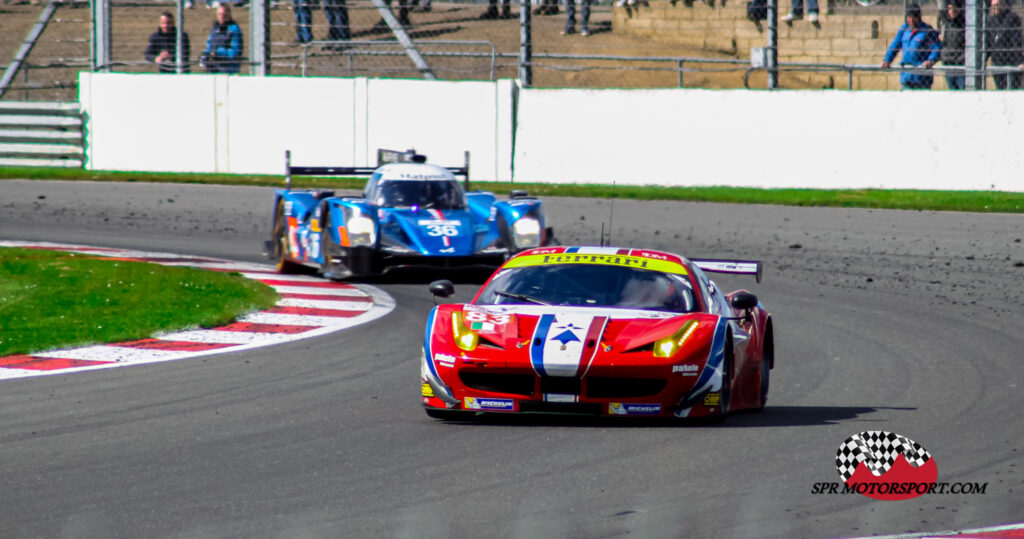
<point>626,43</point>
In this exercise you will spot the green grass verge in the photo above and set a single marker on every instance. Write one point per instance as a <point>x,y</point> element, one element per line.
<point>52,299</point>
<point>903,199</point>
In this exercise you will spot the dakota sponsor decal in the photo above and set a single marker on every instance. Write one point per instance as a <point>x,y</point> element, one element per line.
<point>889,466</point>
<point>445,360</point>
<point>625,408</point>
<point>686,369</point>
<point>479,403</point>
<point>712,399</point>
<point>427,390</point>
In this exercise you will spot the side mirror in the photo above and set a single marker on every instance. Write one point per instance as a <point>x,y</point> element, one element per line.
<point>743,301</point>
<point>518,193</point>
<point>444,288</point>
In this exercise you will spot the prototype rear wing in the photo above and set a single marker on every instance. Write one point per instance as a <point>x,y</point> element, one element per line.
<point>743,267</point>
<point>383,157</point>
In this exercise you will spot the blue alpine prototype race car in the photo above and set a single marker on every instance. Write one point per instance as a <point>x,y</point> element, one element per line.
<point>411,213</point>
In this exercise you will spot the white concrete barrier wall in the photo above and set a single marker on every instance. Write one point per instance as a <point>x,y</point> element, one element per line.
<point>149,123</point>
<point>220,123</point>
<point>805,139</point>
<point>826,139</point>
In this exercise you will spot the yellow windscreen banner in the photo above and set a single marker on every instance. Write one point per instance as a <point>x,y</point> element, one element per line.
<point>638,262</point>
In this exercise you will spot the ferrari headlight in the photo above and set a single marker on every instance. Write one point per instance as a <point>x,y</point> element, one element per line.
<point>526,232</point>
<point>360,230</point>
<point>670,345</point>
<point>465,338</point>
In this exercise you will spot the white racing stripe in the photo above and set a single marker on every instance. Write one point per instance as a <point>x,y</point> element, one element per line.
<point>301,320</point>
<point>113,353</point>
<point>338,304</point>
<point>283,277</point>
<point>214,336</point>
<point>285,289</point>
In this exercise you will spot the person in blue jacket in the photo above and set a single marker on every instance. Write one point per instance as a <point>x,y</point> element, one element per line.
<point>921,47</point>
<point>223,52</point>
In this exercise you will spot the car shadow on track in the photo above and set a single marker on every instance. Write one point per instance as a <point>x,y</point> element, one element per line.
<point>772,416</point>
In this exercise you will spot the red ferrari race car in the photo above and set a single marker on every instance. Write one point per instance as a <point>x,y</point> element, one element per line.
<point>599,330</point>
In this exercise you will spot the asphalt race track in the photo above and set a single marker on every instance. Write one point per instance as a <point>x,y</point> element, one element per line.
<point>908,322</point>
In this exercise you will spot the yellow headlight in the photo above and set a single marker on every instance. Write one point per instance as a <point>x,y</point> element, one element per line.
<point>465,338</point>
<point>670,345</point>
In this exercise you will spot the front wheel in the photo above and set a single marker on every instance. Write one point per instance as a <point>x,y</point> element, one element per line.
<point>280,241</point>
<point>725,394</point>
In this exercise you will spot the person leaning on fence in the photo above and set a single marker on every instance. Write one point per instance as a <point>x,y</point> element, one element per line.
<point>223,52</point>
<point>336,13</point>
<point>1003,44</point>
<point>162,49</point>
<point>796,11</point>
<point>920,47</point>
<point>570,18</point>
<point>952,23</point>
<point>303,21</point>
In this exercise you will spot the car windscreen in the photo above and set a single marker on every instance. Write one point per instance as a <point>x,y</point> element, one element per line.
<point>432,194</point>
<point>591,285</point>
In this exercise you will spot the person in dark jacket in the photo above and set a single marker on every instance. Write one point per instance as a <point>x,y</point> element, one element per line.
<point>920,46</point>
<point>223,52</point>
<point>1003,43</point>
<point>162,49</point>
<point>952,22</point>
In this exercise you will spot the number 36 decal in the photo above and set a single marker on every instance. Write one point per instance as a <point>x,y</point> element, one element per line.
<point>442,230</point>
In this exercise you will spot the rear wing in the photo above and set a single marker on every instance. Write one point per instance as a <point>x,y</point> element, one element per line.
<point>743,267</point>
<point>383,157</point>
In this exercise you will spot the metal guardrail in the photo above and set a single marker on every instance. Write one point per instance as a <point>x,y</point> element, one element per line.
<point>351,48</point>
<point>851,68</point>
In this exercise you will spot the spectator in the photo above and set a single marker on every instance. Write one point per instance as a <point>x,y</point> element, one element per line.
<point>1003,43</point>
<point>952,22</point>
<point>303,21</point>
<point>920,46</point>
<point>162,49</point>
<point>336,13</point>
<point>492,10</point>
<point>796,11</point>
<point>570,18</point>
<point>223,52</point>
<point>547,7</point>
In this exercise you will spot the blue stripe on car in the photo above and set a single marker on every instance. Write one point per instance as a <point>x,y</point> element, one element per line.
<point>715,358</point>
<point>426,343</point>
<point>540,337</point>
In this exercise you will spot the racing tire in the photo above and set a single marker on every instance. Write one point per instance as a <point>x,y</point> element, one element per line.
<point>767,360</point>
<point>449,415</point>
<point>280,241</point>
<point>327,246</point>
<point>725,394</point>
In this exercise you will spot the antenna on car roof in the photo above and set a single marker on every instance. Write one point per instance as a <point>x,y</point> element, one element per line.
<point>287,169</point>
<point>611,213</point>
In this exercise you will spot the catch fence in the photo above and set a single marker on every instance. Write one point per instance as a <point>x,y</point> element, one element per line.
<point>644,44</point>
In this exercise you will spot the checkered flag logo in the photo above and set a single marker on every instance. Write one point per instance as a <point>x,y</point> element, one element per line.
<point>878,450</point>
